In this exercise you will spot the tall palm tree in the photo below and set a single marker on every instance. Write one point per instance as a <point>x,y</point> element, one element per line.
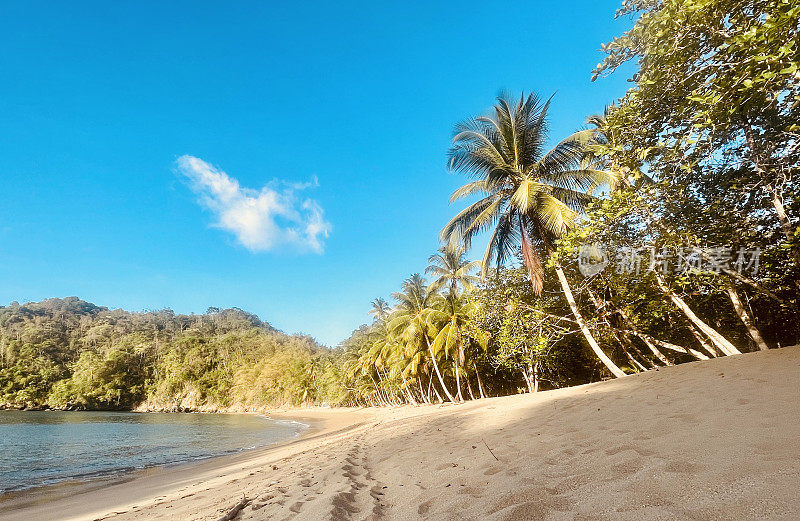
<point>451,268</point>
<point>380,309</point>
<point>447,319</point>
<point>408,322</point>
<point>530,196</point>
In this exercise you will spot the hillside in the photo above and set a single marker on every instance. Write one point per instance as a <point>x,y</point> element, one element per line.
<point>68,353</point>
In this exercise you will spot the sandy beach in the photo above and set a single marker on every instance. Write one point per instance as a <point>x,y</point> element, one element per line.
<point>711,440</point>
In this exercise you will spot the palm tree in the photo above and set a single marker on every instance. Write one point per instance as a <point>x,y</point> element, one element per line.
<point>408,322</point>
<point>530,196</point>
<point>451,268</point>
<point>448,319</point>
<point>380,309</point>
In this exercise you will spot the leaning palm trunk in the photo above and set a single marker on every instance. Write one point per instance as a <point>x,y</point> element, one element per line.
<point>425,398</point>
<point>650,345</point>
<point>629,349</point>
<point>746,319</point>
<point>469,386</point>
<point>616,371</point>
<point>407,390</point>
<point>459,396</point>
<point>380,398</point>
<point>719,341</point>
<point>480,384</point>
<point>438,373</point>
<point>653,349</point>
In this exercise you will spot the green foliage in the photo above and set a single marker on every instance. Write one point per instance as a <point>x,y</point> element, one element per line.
<point>68,353</point>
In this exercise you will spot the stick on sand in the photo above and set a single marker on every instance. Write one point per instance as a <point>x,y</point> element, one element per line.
<point>235,510</point>
<point>490,450</point>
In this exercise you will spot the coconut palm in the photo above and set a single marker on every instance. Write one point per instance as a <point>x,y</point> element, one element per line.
<point>530,196</point>
<point>408,322</point>
<point>451,268</point>
<point>447,319</point>
<point>380,309</point>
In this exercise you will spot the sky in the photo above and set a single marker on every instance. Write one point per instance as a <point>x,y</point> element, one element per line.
<point>289,160</point>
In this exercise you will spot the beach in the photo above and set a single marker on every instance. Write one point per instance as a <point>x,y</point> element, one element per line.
<point>709,440</point>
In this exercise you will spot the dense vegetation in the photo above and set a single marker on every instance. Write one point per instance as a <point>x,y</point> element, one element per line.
<point>70,353</point>
<point>664,231</point>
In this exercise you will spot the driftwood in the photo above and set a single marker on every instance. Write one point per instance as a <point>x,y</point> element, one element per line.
<point>490,450</point>
<point>232,513</point>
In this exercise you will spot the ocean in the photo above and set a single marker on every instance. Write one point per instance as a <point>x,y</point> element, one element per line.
<point>45,447</point>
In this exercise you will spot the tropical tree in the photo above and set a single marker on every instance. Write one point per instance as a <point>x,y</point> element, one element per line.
<point>380,309</point>
<point>530,196</point>
<point>645,196</point>
<point>447,320</point>
<point>451,269</point>
<point>408,323</point>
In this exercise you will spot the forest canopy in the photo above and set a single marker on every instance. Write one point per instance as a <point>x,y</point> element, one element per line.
<point>69,353</point>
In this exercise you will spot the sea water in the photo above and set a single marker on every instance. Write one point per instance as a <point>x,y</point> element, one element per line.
<point>44,447</point>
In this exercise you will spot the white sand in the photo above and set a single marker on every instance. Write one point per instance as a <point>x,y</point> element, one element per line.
<point>713,440</point>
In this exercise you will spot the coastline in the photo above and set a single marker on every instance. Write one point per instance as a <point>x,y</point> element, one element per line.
<point>52,487</point>
<point>712,440</point>
<point>68,499</point>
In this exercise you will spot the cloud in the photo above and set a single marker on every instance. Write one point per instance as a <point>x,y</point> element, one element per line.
<point>261,220</point>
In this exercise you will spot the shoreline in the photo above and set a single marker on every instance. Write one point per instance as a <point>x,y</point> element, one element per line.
<point>712,440</point>
<point>98,479</point>
<point>67,496</point>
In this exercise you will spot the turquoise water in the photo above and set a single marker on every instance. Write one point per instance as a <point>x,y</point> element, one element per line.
<point>43,447</point>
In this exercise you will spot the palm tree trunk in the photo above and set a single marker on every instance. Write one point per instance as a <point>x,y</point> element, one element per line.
<point>716,338</point>
<point>408,391</point>
<point>436,392</point>
<point>377,391</point>
<point>386,392</point>
<point>667,345</point>
<point>746,319</point>
<point>653,349</point>
<point>616,371</point>
<point>469,387</point>
<point>421,391</point>
<point>480,384</point>
<point>438,374</point>
<point>458,384</point>
<point>628,347</point>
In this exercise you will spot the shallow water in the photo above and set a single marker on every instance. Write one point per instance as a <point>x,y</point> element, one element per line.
<point>43,447</point>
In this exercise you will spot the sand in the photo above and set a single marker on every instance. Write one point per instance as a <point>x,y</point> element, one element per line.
<point>710,440</point>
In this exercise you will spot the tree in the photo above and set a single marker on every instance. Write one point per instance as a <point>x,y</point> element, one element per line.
<point>451,269</point>
<point>447,319</point>
<point>530,197</point>
<point>715,95</point>
<point>409,323</point>
<point>380,309</point>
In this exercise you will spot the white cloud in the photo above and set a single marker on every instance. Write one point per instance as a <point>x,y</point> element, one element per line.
<point>260,220</point>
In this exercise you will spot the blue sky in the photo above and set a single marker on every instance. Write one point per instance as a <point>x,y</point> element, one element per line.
<point>285,159</point>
